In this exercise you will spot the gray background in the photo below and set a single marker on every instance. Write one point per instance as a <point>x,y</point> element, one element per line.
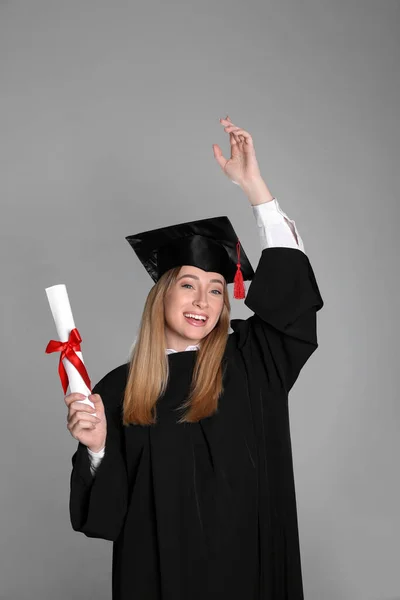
<point>108,115</point>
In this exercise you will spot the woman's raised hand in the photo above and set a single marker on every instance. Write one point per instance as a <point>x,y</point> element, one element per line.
<point>242,167</point>
<point>83,426</point>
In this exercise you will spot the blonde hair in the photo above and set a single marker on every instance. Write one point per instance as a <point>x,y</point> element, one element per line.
<point>149,368</point>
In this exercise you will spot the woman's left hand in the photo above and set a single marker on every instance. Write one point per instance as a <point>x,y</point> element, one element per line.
<point>241,167</point>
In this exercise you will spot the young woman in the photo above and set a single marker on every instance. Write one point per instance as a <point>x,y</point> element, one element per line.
<point>188,467</point>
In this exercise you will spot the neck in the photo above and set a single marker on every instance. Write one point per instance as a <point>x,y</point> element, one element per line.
<point>177,342</point>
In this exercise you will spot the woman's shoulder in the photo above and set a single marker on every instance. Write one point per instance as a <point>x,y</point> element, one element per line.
<point>240,333</point>
<point>113,382</point>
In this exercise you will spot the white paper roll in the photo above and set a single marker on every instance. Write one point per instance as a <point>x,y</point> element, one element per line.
<point>62,314</point>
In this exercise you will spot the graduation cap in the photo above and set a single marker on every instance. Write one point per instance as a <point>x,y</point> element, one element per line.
<point>209,244</point>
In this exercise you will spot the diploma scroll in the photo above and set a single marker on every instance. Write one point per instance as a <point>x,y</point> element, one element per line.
<point>62,314</point>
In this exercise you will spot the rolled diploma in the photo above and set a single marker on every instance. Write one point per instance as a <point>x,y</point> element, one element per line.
<point>62,314</point>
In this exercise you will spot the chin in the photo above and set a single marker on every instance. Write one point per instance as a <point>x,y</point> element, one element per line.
<point>194,336</point>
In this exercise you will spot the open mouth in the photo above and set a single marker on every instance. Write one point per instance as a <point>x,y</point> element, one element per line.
<point>195,322</point>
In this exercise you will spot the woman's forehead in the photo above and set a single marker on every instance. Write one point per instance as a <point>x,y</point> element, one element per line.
<point>200,273</point>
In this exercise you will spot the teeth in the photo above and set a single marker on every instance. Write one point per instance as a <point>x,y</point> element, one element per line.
<point>198,317</point>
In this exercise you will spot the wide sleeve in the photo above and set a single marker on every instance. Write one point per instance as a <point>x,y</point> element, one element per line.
<point>98,505</point>
<point>285,298</point>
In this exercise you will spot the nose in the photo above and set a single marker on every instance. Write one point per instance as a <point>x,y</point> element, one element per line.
<point>201,299</point>
<point>200,303</point>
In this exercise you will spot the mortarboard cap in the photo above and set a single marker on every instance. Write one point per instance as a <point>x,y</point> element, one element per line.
<point>209,244</point>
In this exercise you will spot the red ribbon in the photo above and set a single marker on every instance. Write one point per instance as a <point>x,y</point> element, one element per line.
<point>238,289</point>
<point>68,350</point>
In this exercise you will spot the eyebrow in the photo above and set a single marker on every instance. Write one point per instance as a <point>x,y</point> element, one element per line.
<point>195,277</point>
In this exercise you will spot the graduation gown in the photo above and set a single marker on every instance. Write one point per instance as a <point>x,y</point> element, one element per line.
<point>208,509</point>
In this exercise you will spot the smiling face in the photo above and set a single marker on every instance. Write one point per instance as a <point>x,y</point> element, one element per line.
<point>194,292</point>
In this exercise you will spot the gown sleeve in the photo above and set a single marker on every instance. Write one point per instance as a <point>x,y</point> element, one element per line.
<point>285,298</point>
<point>98,505</point>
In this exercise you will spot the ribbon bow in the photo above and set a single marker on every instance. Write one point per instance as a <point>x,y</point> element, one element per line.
<point>68,350</point>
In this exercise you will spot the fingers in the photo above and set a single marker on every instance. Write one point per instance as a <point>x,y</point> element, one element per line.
<point>220,158</point>
<point>79,421</point>
<point>81,417</point>
<point>233,137</point>
<point>73,397</point>
<point>81,409</point>
<point>76,396</point>
<point>240,134</point>
<point>237,134</point>
<point>76,427</point>
<point>231,129</point>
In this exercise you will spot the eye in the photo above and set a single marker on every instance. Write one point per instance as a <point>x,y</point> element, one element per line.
<point>184,284</point>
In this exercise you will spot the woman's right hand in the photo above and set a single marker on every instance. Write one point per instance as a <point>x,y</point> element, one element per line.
<point>83,426</point>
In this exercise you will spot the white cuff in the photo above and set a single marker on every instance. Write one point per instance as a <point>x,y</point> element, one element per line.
<point>269,213</point>
<point>98,454</point>
<point>275,227</point>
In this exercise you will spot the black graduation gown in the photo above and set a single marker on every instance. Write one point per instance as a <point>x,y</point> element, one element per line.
<point>208,509</point>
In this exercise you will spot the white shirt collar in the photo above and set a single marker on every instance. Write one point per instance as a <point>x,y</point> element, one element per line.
<point>170,350</point>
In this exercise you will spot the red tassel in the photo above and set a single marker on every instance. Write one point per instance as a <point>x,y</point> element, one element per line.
<point>238,288</point>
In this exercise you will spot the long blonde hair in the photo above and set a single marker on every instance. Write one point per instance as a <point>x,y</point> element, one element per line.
<point>149,369</point>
